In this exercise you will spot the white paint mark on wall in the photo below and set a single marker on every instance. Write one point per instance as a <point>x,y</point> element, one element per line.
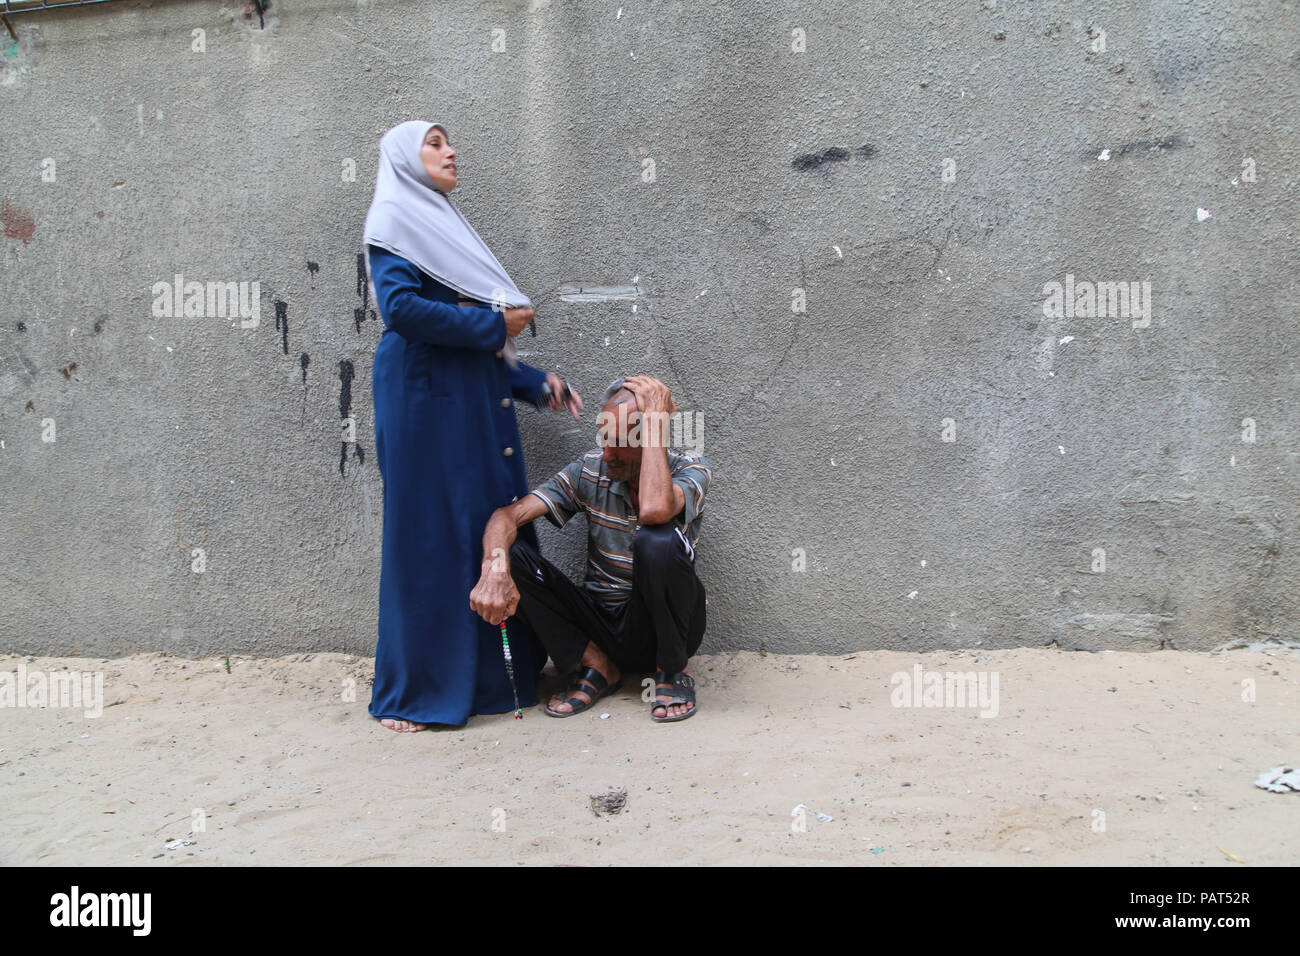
<point>1046,358</point>
<point>573,292</point>
<point>1105,155</point>
<point>1202,214</point>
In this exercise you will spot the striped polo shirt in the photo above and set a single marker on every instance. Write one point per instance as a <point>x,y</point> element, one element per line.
<point>612,521</point>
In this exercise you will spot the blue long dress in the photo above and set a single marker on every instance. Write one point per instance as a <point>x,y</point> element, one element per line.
<point>449,454</point>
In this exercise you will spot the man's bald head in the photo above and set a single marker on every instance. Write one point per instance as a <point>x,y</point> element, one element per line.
<point>617,394</point>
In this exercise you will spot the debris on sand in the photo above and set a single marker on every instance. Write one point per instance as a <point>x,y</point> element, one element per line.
<point>1279,780</point>
<point>608,803</point>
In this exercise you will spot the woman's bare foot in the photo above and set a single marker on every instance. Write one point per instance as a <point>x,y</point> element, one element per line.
<point>403,726</point>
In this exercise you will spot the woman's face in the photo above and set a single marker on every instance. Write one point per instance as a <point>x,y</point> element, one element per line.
<point>439,159</point>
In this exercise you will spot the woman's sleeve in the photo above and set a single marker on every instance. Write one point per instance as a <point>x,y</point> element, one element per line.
<point>526,383</point>
<point>405,311</point>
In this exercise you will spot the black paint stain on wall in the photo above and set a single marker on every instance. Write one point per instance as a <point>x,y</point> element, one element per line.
<point>360,315</point>
<point>358,453</point>
<point>282,323</point>
<point>313,267</point>
<point>304,360</point>
<point>1163,145</point>
<point>835,154</point>
<point>259,7</point>
<point>21,326</point>
<point>99,324</point>
<point>347,372</point>
<point>362,289</point>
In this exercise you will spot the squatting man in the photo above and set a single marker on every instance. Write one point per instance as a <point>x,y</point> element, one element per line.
<point>641,606</point>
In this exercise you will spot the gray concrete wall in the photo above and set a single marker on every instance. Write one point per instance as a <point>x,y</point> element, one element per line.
<point>775,170</point>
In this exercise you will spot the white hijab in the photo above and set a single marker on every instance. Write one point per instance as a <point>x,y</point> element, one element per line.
<point>411,217</point>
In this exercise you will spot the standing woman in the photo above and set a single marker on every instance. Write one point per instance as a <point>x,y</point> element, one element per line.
<point>445,380</point>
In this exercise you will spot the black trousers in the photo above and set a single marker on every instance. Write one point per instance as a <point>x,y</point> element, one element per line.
<point>660,626</point>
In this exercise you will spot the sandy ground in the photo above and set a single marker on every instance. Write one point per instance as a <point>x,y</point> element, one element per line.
<point>1109,758</point>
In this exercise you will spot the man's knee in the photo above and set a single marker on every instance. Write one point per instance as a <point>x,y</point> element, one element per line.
<point>655,545</point>
<point>524,559</point>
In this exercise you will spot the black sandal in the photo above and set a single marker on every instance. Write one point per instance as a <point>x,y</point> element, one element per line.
<point>597,687</point>
<point>683,692</point>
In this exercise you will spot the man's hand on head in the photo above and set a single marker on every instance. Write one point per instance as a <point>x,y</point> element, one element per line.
<point>651,394</point>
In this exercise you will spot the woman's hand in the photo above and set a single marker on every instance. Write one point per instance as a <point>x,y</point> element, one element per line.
<point>557,399</point>
<point>517,318</point>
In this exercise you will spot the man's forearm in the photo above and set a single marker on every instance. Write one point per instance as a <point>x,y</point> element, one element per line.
<point>656,491</point>
<point>498,538</point>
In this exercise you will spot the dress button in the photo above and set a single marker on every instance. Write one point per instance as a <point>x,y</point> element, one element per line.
<point>508,451</point>
<point>499,353</point>
<point>505,403</point>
